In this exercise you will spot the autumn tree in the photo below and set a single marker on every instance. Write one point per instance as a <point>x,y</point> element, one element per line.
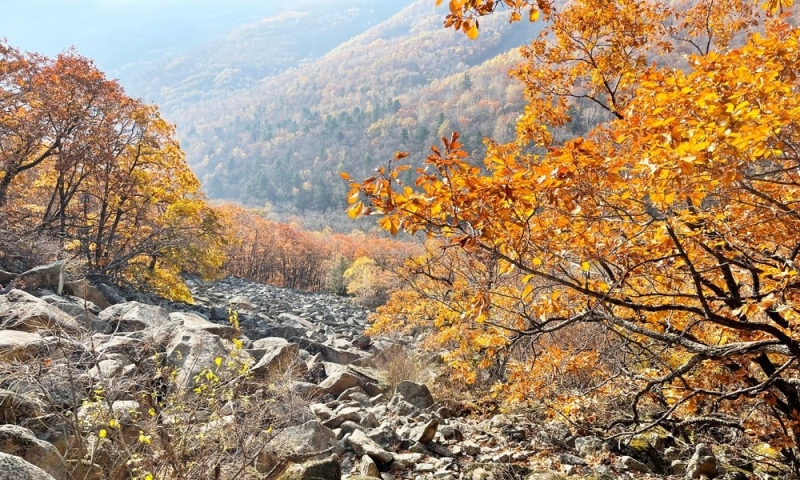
<point>653,260</point>
<point>100,173</point>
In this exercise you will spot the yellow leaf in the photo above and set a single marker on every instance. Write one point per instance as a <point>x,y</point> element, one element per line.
<point>585,266</point>
<point>537,262</point>
<point>355,210</point>
<point>527,290</point>
<point>218,361</point>
<point>344,176</point>
<point>102,433</point>
<point>472,31</point>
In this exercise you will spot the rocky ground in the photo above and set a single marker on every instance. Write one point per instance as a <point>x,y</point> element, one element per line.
<point>350,422</point>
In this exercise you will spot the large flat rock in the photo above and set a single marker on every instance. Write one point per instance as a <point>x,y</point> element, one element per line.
<point>22,311</point>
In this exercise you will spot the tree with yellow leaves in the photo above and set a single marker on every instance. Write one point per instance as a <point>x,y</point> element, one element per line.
<point>100,173</point>
<point>650,263</point>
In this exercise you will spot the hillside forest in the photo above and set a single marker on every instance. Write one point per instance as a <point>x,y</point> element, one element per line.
<point>608,237</point>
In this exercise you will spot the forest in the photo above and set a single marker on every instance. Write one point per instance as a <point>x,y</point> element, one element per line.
<point>399,86</point>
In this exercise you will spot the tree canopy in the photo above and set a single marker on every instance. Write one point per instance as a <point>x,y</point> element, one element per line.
<point>99,173</point>
<point>649,264</point>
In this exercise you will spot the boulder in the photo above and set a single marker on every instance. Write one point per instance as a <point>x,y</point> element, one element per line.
<point>363,445</point>
<point>425,433</point>
<point>88,292</point>
<point>22,311</point>
<point>134,316</point>
<point>330,354</point>
<point>703,462</point>
<point>82,312</point>
<point>326,469</point>
<point>21,442</point>
<point>6,277</point>
<point>240,302</point>
<point>110,293</point>
<point>368,467</point>
<point>193,321</point>
<point>627,463</point>
<point>386,437</point>
<point>351,414</point>
<point>309,438</point>
<point>21,346</point>
<point>339,382</point>
<point>16,468</point>
<point>192,351</point>
<point>279,355</point>
<point>416,394</point>
<point>50,277</point>
<point>306,390</point>
<point>16,407</point>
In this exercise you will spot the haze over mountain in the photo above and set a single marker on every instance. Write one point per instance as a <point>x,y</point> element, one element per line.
<point>273,99</point>
<point>400,85</point>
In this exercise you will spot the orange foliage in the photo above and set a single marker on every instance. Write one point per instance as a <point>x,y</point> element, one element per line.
<point>288,256</point>
<point>100,172</point>
<point>660,247</point>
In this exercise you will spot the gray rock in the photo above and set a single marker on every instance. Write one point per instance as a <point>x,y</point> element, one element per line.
<point>17,407</point>
<point>50,277</point>
<point>426,433</point>
<point>406,461</point>
<point>363,445</point>
<point>24,312</point>
<point>134,316</point>
<point>631,464</point>
<point>326,469</point>
<point>191,352</point>
<point>110,293</point>
<point>470,448</point>
<point>370,420</point>
<point>386,437</point>
<point>734,476</point>
<point>416,394</point>
<point>402,408</point>
<point>588,445</point>
<point>193,321</point>
<point>310,437</point>
<point>21,442</point>
<point>106,369</point>
<point>88,292</point>
<point>20,346</point>
<point>339,382</point>
<point>703,462</point>
<point>322,411</point>
<point>277,358</point>
<point>329,354</point>
<point>368,467</point>
<point>15,468</point>
<point>678,467</point>
<point>306,390</point>
<point>82,311</point>
<point>351,414</point>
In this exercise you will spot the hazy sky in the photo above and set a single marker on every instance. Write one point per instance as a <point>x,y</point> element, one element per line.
<point>118,31</point>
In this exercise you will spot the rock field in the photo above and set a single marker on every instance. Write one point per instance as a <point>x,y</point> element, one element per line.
<point>349,424</point>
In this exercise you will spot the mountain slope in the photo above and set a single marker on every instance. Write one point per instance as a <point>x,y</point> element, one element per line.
<point>398,86</point>
<point>288,36</point>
